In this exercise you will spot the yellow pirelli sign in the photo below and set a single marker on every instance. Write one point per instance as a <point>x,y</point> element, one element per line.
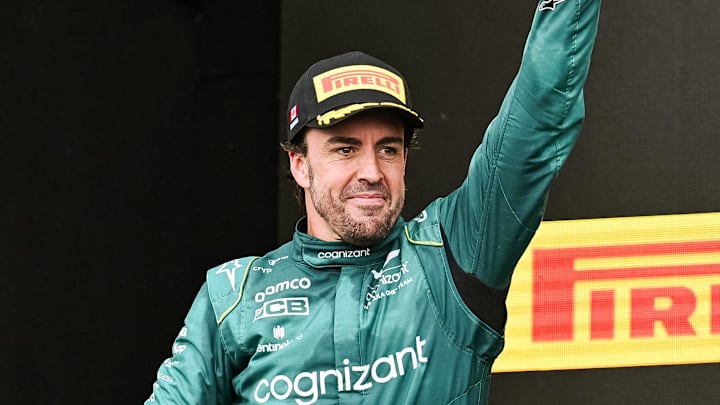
<point>616,292</point>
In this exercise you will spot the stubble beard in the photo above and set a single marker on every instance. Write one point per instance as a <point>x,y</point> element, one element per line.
<point>374,223</point>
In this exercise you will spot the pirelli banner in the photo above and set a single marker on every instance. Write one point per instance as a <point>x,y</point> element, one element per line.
<point>616,292</point>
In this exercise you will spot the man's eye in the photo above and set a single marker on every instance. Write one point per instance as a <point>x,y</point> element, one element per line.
<point>388,150</point>
<point>345,150</point>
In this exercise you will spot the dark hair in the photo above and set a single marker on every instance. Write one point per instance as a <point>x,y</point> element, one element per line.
<point>297,145</point>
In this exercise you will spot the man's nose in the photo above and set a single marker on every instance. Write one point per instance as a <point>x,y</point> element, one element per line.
<point>369,168</point>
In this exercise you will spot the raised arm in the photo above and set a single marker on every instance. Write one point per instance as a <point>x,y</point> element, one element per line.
<point>492,217</point>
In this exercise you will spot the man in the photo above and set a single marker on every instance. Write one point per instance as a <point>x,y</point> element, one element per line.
<point>362,306</point>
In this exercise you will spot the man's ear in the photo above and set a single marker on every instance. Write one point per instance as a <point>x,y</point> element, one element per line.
<point>298,168</point>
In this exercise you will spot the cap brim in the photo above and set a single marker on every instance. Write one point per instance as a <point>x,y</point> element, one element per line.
<point>340,114</point>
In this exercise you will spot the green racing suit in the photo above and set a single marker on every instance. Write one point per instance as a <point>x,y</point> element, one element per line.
<point>419,317</point>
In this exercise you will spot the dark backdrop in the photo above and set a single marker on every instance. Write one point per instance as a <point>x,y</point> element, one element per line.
<point>138,147</point>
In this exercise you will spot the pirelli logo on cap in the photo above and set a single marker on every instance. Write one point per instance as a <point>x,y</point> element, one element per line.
<point>358,77</point>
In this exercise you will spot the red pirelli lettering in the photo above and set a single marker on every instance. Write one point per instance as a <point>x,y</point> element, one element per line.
<point>555,276</point>
<point>676,318</point>
<point>602,314</point>
<point>360,77</point>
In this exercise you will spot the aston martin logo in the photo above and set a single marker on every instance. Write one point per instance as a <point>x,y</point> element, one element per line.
<point>550,4</point>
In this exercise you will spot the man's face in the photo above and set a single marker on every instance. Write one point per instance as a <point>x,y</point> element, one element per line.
<point>354,177</point>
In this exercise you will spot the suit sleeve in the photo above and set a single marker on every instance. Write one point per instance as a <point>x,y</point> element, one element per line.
<point>491,218</point>
<point>199,371</point>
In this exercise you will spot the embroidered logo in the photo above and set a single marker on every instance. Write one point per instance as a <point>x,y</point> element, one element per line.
<point>358,77</point>
<point>550,4</point>
<point>392,279</point>
<point>229,270</point>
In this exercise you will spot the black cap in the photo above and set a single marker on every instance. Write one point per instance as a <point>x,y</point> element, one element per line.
<point>336,88</point>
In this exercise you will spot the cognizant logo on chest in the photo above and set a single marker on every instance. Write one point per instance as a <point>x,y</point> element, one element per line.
<point>338,254</point>
<point>310,385</point>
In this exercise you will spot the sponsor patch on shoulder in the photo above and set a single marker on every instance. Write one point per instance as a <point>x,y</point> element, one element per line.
<point>550,4</point>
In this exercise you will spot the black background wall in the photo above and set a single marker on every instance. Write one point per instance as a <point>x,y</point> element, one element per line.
<point>138,147</point>
<point>137,150</point>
